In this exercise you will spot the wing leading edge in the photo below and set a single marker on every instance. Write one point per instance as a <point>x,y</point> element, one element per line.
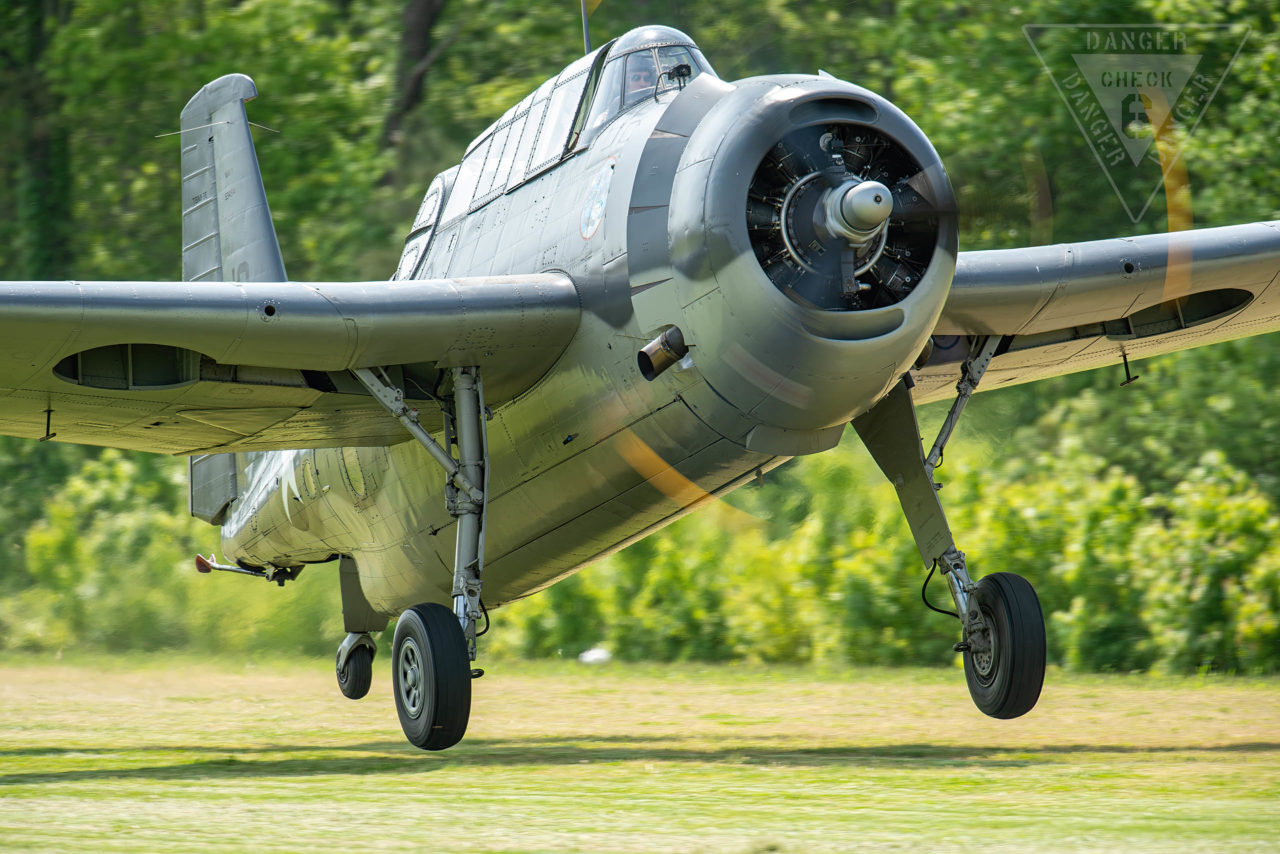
<point>1073,307</point>
<point>210,366</point>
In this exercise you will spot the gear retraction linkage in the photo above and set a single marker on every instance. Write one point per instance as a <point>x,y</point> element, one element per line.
<point>970,375</point>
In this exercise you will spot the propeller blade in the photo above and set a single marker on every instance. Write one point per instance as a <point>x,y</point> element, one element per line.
<point>914,201</point>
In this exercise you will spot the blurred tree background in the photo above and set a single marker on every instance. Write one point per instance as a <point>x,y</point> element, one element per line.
<point>1146,516</point>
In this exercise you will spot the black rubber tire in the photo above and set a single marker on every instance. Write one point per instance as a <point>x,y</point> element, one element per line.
<point>1010,686</point>
<point>354,680</point>
<point>431,677</point>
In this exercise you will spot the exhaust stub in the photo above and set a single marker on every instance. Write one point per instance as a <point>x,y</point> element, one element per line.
<point>661,353</point>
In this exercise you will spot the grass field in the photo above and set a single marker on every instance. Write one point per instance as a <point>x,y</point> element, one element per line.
<point>153,754</point>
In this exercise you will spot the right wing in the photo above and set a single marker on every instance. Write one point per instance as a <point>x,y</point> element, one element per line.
<point>1073,307</point>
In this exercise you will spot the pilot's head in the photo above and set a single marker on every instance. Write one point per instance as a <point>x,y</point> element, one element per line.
<point>641,73</point>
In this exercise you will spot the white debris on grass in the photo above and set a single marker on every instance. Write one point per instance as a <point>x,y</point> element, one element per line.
<point>595,655</point>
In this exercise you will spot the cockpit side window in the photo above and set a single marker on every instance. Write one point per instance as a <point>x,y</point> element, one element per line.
<point>641,79</point>
<point>580,136</point>
<point>607,102</point>
<point>424,224</point>
<point>464,186</point>
<point>526,139</point>
<point>507,168</point>
<point>532,125</point>
<point>561,112</point>
<point>484,190</point>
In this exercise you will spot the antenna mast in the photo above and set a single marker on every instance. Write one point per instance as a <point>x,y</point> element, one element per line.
<point>586,31</point>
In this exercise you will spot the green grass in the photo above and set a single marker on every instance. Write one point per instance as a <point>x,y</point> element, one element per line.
<point>186,754</point>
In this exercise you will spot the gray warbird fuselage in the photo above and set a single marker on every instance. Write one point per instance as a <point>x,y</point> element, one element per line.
<point>642,286</point>
<point>593,456</point>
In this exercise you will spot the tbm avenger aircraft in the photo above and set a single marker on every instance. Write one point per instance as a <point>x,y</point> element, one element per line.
<point>643,286</point>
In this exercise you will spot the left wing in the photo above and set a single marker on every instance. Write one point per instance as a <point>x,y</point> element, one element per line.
<point>234,357</point>
<point>183,367</point>
<point>1072,307</point>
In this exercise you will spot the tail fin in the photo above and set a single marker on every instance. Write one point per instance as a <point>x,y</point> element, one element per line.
<point>227,233</point>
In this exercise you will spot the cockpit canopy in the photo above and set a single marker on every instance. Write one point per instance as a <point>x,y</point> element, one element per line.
<point>638,66</point>
<point>562,116</point>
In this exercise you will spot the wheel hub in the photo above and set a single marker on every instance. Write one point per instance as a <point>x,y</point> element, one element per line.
<point>410,670</point>
<point>982,649</point>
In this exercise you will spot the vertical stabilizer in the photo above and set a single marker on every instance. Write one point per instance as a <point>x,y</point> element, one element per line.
<point>227,233</point>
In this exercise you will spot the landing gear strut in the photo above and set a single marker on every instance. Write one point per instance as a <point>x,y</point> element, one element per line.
<point>1003,627</point>
<point>434,645</point>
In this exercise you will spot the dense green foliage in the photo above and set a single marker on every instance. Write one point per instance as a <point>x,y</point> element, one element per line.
<point>1146,516</point>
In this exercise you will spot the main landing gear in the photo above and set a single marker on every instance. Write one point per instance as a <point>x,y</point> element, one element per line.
<point>434,646</point>
<point>1001,621</point>
<point>431,676</point>
<point>1004,659</point>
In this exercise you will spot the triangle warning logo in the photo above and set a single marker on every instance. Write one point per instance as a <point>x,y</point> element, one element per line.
<point>1136,92</point>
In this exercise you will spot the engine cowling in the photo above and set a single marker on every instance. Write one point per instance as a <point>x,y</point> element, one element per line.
<point>807,292</point>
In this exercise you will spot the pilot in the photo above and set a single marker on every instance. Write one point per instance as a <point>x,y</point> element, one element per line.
<point>642,76</point>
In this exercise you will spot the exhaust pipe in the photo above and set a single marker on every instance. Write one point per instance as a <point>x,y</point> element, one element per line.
<point>661,353</point>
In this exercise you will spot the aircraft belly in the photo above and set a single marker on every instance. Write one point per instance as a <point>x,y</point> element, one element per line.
<point>621,519</point>
<point>281,515</point>
<point>564,517</point>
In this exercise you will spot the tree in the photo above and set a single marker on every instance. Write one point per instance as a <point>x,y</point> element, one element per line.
<point>37,163</point>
